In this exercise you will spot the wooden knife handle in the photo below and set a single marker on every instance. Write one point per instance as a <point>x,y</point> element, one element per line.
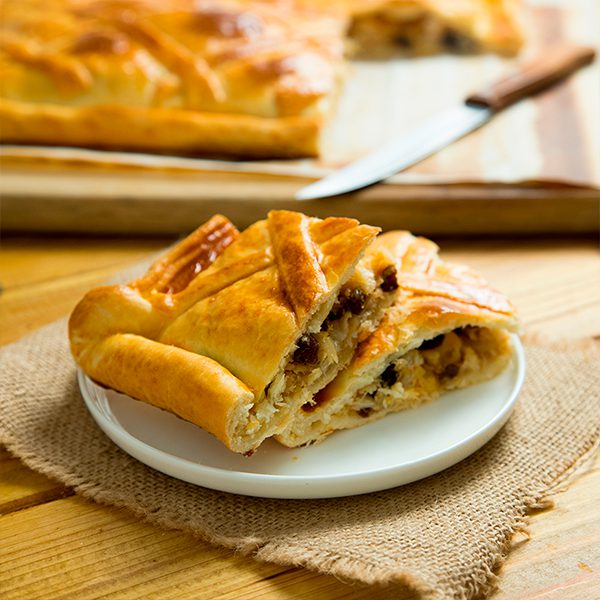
<point>535,76</point>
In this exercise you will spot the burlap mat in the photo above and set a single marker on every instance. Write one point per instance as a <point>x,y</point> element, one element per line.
<point>442,536</point>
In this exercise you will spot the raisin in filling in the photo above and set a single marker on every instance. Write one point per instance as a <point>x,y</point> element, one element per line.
<point>390,281</point>
<point>389,376</point>
<point>402,41</point>
<point>351,300</point>
<point>336,312</point>
<point>307,352</point>
<point>455,42</point>
<point>451,371</point>
<point>432,343</point>
<point>355,300</point>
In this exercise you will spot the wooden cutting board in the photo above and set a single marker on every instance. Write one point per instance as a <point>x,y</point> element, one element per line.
<point>534,169</point>
<point>151,202</point>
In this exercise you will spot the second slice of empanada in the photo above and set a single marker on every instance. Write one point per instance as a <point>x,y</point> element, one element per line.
<point>447,329</point>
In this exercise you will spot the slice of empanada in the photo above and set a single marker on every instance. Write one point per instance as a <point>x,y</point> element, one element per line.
<point>270,322</point>
<point>447,329</point>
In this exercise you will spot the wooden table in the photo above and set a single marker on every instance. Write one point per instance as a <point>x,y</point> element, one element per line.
<point>57,545</point>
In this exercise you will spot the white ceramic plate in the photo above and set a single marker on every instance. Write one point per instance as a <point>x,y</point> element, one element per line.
<point>396,450</point>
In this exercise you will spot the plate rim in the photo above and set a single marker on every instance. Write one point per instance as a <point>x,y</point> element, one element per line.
<point>112,430</point>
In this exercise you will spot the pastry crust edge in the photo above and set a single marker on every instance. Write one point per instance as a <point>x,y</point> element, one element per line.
<point>161,130</point>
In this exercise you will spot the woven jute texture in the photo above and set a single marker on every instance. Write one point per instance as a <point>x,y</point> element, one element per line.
<point>443,536</point>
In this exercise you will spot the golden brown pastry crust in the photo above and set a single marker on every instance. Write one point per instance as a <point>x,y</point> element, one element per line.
<point>159,130</point>
<point>112,332</point>
<point>237,77</point>
<point>251,325</point>
<point>206,330</point>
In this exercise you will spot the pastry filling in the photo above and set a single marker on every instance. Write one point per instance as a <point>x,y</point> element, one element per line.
<point>446,362</point>
<point>326,347</point>
<point>453,360</point>
<point>409,29</point>
<point>350,318</point>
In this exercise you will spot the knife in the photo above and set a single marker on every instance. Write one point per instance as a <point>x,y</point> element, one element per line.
<point>452,124</point>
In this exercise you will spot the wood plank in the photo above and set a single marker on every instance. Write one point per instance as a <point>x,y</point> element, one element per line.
<point>583,321</point>
<point>166,203</point>
<point>28,307</point>
<point>73,547</point>
<point>561,558</point>
<point>41,279</point>
<point>21,487</point>
<point>26,259</point>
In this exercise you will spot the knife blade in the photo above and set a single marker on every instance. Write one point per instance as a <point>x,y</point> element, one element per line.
<point>451,124</point>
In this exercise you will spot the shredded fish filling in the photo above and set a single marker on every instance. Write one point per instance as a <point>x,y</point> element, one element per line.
<point>440,364</point>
